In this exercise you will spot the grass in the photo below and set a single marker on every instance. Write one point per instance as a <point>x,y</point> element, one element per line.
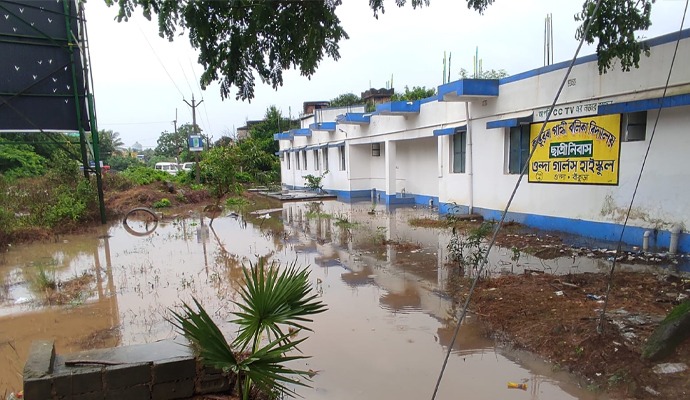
<point>343,222</point>
<point>235,203</point>
<point>317,215</point>
<point>44,279</point>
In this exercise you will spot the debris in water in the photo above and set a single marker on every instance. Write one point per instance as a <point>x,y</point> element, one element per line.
<point>513,385</point>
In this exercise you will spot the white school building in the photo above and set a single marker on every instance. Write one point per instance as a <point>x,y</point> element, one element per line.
<point>463,149</point>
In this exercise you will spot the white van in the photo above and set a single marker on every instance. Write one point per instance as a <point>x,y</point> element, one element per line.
<point>188,166</point>
<point>169,167</point>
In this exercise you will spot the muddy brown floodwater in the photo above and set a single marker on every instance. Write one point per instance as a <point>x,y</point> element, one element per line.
<point>385,333</point>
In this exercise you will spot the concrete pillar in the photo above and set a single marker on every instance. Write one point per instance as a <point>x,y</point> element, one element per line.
<point>391,162</point>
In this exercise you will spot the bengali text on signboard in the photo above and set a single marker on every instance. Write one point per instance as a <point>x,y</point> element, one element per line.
<point>582,151</point>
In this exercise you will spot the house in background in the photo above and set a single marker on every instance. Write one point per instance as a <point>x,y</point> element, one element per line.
<point>463,150</point>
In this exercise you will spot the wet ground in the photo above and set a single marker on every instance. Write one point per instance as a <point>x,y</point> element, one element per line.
<point>384,336</point>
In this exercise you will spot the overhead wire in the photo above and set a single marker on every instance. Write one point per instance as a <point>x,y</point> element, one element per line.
<point>484,260</point>
<point>158,58</point>
<point>600,325</point>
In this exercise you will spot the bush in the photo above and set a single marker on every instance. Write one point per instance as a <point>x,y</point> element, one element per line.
<point>119,163</point>
<point>142,175</point>
<point>162,203</point>
<point>116,182</point>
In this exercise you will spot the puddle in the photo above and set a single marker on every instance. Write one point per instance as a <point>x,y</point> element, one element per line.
<point>384,335</point>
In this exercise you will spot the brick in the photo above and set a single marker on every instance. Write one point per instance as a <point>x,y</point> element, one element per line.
<point>62,384</point>
<point>212,384</point>
<point>87,380</point>
<point>126,375</point>
<point>173,390</point>
<point>174,369</point>
<point>37,389</point>
<point>139,392</point>
<point>39,363</point>
<point>89,396</point>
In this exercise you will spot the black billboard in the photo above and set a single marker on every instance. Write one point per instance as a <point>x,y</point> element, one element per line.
<point>42,83</point>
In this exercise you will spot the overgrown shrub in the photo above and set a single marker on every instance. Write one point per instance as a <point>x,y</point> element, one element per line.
<point>142,175</point>
<point>162,203</point>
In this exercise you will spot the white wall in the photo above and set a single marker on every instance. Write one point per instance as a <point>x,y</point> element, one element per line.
<point>660,200</point>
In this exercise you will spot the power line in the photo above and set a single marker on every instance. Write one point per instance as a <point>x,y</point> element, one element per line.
<point>159,60</point>
<point>600,325</point>
<point>483,261</point>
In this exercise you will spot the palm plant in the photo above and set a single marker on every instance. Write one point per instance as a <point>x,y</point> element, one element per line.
<point>271,298</point>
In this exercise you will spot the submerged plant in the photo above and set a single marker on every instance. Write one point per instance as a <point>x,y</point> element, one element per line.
<point>468,251</point>
<point>272,299</point>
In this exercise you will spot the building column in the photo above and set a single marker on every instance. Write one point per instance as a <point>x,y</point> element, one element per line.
<point>391,163</point>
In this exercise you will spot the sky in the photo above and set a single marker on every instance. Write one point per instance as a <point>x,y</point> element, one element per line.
<point>141,81</point>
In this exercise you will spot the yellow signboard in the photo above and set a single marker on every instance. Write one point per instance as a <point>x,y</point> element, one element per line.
<point>583,150</point>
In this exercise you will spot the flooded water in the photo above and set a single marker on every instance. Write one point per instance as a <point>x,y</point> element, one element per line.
<point>386,331</point>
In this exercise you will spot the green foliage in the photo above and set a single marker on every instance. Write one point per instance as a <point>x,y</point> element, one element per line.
<point>264,367</point>
<point>467,251</point>
<point>71,205</point>
<point>143,175</point>
<point>264,38</point>
<point>44,278</point>
<point>314,182</point>
<point>110,144</point>
<point>346,99</point>
<point>343,222</point>
<point>20,161</point>
<point>162,203</point>
<point>236,203</point>
<point>121,163</point>
<point>220,169</point>
<point>273,297</point>
<point>614,27</point>
<point>261,38</point>
<point>262,133</point>
<point>174,144</point>
<point>269,299</point>
<point>417,93</point>
<point>370,106</point>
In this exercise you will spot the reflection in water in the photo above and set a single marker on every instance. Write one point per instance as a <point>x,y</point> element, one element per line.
<point>383,336</point>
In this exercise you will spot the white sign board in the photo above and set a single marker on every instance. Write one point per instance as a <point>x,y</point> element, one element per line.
<point>574,110</point>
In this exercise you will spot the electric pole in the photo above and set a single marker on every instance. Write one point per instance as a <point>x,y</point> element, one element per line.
<point>195,128</point>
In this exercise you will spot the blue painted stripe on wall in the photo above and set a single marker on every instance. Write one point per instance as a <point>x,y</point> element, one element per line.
<point>643,105</point>
<point>671,37</point>
<point>508,123</point>
<point>589,229</point>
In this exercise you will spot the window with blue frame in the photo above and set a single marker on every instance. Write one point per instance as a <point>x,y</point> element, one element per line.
<point>459,152</point>
<point>519,148</point>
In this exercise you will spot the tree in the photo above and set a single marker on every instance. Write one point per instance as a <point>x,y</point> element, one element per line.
<point>110,144</point>
<point>613,26</point>
<point>272,123</point>
<point>260,37</point>
<point>20,160</point>
<point>346,99</point>
<point>417,93</point>
<point>238,39</point>
<point>490,74</point>
<point>171,144</point>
